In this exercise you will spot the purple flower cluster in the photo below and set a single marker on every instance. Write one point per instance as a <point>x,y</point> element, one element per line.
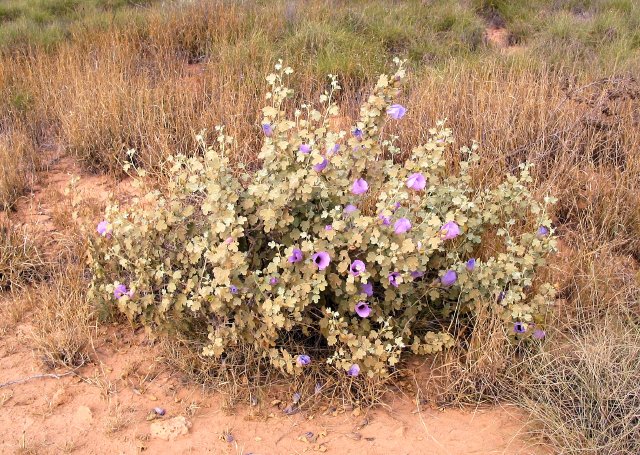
<point>121,290</point>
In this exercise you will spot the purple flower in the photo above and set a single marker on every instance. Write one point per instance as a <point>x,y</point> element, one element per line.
<point>303,360</point>
<point>320,166</point>
<point>416,274</point>
<point>393,279</point>
<point>539,334</point>
<point>159,411</point>
<point>363,310</point>
<point>357,133</point>
<point>350,209</point>
<point>542,232</point>
<point>396,206</point>
<point>385,220</point>
<point>233,289</point>
<point>121,290</point>
<point>328,227</point>
<point>354,370</point>
<point>450,230</point>
<point>519,327</point>
<point>449,278</point>
<point>501,296</point>
<point>367,288</point>
<point>396,111</point>
<point>401,226</point>
<point>321,259</point>
<point>267,129</point>
<point>273,281</point>
<point>357,267</point>
<point>333,150</point>
<point>305,148</point>
<point>416,182</point>
<point>360,186</point>
<point>103,229</point>
<point>471,264</point>
<point>296,256</point>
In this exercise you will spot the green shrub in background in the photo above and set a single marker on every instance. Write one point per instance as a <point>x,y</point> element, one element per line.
<point>335,250</point>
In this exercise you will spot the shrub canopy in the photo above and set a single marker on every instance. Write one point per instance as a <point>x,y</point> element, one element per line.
<point>335,250</point>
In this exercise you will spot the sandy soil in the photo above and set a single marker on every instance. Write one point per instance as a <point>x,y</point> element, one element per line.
<point>107,406</point>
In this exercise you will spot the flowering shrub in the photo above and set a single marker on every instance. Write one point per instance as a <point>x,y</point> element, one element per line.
<point>334,242</point>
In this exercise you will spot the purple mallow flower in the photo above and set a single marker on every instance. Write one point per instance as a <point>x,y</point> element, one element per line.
<point>321,259</point>
<point>305,148</point>
<point>417,274</point>
<point>303,360</point>
<point>354,370</point>
<point>328,227</point>
<point>396,206</point>
<point>267,129</point>
<point>103,229</point>
<point>471,264</point>
<point>363,310</point>
<point>542,232</point>
<point>450,230</point>
<point>367,289</point>
<point>350,209</point>
<point>357,267</point>
<point>357,133</point>
<point>501,296</point>
<point>393,279</point>
<point>360,186</point>
<point>385,220</point>
<point>333,150</point>
<point>233,289</point>
<point>416,182</point>
<point>121,290</point>
<point>519,327</point>
<point>273,281</point>
<point>396,111</point>
<point>449,278</point>
<point>320,166</point>
<point>296,256</point>
<point>401,226</point>
<point>539,334</point>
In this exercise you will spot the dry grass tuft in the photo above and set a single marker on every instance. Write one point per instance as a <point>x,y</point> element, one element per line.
<point>63,321</point>
<point>583,394</point>
<point>22,260</point>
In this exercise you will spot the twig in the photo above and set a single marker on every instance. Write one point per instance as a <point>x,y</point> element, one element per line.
<point>37,376</point>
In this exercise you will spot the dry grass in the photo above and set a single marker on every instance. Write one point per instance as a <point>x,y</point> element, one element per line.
<point>62,324</point>
<point>22,260</point>
<point>246,379</point>
<point>583,394</point>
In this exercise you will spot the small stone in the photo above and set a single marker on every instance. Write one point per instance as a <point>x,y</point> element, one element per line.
<point>399,432</point>
<point>59,397</point>
<point>170,429</point>
<point>84,416</point>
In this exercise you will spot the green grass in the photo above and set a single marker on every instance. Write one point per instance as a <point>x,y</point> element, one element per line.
<point>48,22</point>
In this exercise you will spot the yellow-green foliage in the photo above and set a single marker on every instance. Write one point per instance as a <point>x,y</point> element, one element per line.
<point>210,247</point>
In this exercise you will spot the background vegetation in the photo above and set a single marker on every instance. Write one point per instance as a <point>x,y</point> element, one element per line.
<point>95,78</point>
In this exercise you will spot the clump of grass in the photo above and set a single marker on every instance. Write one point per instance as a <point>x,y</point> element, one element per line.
<point>584,393</point>
<point>22,260</point>
<point>17,166</point>
<point>62,325</point>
